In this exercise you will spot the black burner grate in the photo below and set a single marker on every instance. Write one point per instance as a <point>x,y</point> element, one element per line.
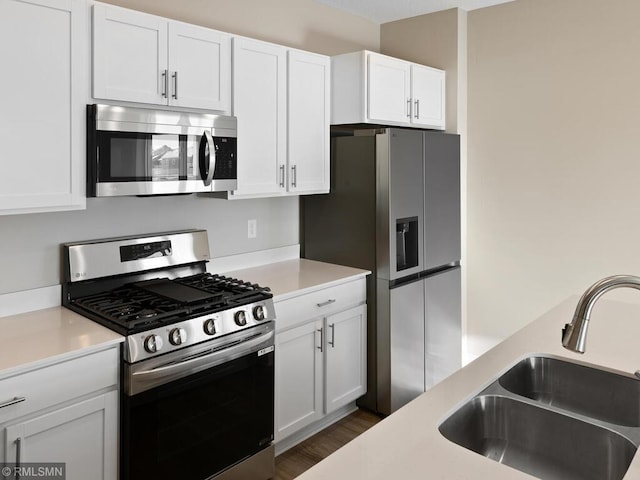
<point>134,308</point>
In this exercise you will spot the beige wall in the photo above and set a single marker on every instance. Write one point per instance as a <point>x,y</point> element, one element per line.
<point>436,40</point>
<point>303,24</point>
<point>554,163</point>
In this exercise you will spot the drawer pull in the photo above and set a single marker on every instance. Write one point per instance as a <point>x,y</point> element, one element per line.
<point>13,401</point>
<point>324,304</point>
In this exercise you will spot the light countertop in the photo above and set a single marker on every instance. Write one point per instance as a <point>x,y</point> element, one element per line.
<point>44,336</point>
<point>296,277</point>
<point>407,445</point>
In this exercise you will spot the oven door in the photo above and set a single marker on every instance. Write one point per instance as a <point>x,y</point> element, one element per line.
<point>201,412</point>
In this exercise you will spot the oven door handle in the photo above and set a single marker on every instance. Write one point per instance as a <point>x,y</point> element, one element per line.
<point>181,368</point>
<point>207,162</point>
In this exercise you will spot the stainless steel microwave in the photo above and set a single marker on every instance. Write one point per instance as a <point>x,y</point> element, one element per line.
<point>138,151</point>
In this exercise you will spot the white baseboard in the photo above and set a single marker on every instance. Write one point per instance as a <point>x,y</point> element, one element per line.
<point>253,259</point>
<point>30,300</point>
<point>294,439</point>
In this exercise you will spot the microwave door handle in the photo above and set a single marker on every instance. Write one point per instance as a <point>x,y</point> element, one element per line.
<point>210,165</point>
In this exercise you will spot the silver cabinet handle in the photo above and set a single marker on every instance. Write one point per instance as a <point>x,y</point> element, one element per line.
<point>321,339</point>
<point>324,304</point>
<point>18,455</point>
<point>282,176</point>
<point>13,401</point>
<point>417,102</point>
<point>175,85</point>
<point>294,175</point>
<point>333,335</point>
<point>165,83</point>
<point>408,108</point>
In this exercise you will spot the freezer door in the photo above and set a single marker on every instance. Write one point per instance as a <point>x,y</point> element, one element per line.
<point>441,199</point>
<point>443,325</point>
<point>406,343</point>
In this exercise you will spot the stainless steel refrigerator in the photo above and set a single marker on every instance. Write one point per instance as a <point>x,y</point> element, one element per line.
<point>394,208</point>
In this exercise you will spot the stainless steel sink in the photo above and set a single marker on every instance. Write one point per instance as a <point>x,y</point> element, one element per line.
<point>537,441</point>
<point>553,419</point>
<point>588,391</point>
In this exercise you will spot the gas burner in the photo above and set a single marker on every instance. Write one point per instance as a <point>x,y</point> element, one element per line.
<point>146,313</point>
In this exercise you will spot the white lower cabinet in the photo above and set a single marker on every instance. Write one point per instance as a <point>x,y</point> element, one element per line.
<point>299,377</point>
<point>345,357</point>
<point>67,413</point>
<point>83,436</point>
<point>320,355</point>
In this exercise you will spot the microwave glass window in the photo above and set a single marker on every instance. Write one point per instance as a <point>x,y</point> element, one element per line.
<point>165,157</point>
<point>124,149</point>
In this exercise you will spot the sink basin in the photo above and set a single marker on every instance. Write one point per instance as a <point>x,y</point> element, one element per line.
<point>588,391</point>
<point>539,441</point>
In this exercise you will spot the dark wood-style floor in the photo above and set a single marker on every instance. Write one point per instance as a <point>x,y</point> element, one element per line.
<point>305,455</point>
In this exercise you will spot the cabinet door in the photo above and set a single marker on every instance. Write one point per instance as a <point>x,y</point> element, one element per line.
<point>259,103</point>
<point>299,369</point>
<point>43,105</point>
<point>389,82</point>
<point>83,436</point>
<point>428,96</point>
<point>199,67</point>
<point>308,135</point>
<point>129,55</point>
<point>346,357</point>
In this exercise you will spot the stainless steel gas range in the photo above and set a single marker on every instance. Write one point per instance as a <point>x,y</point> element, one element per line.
<point>198,358</point>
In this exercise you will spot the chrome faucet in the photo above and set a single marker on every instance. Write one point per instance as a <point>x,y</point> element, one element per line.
<point>574,334</point>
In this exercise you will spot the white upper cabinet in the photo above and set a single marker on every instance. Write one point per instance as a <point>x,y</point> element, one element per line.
<point>308,132</point>
<point>427,94</point>
<point>389,82</point>
<point>281,98</point>
<point>259,104</point>
<point>148,59</point>
<point>367,87</point>
<point>200,65</point>
<point>44,79</point>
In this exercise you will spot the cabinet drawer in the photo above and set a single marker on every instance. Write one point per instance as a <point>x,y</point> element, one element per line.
<point>318,303</point>
<point>51,385</point>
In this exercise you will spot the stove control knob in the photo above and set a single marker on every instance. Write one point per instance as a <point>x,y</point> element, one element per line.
<point>210,327</point>
<point>153,343</point>
<point>259,312</point>
<point>240,318</point>
<point>178,336</point>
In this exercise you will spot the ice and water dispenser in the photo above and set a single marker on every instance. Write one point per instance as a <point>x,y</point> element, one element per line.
<point>406,243</point>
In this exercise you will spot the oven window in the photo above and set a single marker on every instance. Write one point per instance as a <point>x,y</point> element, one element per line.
<point>194,427</point>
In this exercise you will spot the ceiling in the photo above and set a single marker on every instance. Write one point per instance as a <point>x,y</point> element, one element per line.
<point>383,11</point>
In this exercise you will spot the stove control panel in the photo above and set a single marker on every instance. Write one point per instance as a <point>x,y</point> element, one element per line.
<point>179,335</point>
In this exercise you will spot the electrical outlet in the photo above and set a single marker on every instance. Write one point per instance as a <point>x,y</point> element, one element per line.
<point>252,228</point>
